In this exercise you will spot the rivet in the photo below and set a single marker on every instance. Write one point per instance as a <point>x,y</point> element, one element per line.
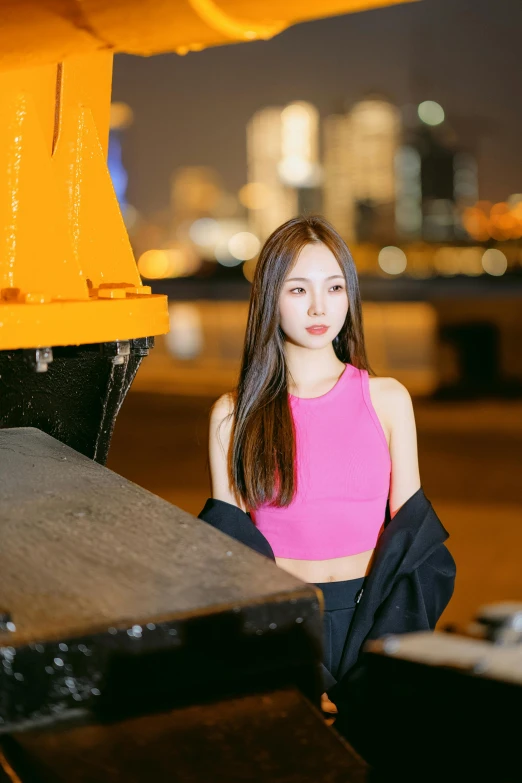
<point>6,623</point>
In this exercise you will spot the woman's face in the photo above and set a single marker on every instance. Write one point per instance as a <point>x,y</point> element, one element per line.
<point>314,293</point>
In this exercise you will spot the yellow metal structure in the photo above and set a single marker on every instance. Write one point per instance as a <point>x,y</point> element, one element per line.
<point>34,32</point>
<point>67,271</point>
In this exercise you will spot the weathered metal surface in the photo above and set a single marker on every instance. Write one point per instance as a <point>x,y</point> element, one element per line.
<point>124,603</point>
<point>76,399</point>
<point>276,737</point>
<point>468,655</point>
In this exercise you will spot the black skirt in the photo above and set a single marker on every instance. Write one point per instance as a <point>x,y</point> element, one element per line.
<point>340,600</point>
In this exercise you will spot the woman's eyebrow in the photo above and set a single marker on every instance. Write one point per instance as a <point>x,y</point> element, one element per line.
<point>307,279</point>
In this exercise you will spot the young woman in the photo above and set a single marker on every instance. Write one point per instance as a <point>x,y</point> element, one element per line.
<point>309,443</point>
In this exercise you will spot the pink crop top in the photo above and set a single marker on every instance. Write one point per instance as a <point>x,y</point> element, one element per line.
<point>343,474</point>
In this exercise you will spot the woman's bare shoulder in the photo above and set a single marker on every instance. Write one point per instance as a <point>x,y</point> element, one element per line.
<point>388,390</point>
<point>222,407</point>
<point>221,419</point>
<point>392,403</point>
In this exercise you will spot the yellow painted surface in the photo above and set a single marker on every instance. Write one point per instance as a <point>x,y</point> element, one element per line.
<point>88,321</point>
<point>64,250</point>
<point>60,29</point>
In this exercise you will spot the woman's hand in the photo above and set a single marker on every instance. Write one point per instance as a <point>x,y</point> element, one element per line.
<point>328,707</point>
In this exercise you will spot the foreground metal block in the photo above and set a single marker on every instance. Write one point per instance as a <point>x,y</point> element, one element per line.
<point>119,603</point>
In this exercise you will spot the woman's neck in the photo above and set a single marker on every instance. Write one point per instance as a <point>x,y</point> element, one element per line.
<point>311,371</point>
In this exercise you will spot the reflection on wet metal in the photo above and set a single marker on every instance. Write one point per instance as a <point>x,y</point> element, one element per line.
<point>135,592</point>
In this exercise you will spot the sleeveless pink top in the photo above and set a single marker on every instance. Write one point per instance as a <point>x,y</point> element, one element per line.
<point>343,475</point>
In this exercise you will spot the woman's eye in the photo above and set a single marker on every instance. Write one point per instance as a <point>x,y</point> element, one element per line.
<point>339,287</point>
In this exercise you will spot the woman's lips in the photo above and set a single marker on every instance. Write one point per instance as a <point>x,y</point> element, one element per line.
<point>317,329</point>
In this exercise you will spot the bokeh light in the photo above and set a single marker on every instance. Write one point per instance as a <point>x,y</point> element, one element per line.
<point>185,338</point>
<point>244,245</point>
<point>121,116</point>
<point>501,221</point>
<point>494,262</point>
<point>223,255</point>
<point>205,232</point>
<point>295,171</point>
<point>255,195</point>
<point>470,261</point>
<point>392,260</point>
<point>430,112</point>
<point>154,264</point>
<point>161,263</point>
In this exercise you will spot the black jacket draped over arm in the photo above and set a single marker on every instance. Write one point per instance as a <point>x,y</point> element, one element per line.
<point>409,585</point>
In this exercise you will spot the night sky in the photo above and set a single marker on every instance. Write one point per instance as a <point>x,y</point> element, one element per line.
<point>465,54</point>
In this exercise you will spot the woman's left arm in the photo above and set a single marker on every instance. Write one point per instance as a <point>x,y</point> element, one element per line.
<point>394,407</point>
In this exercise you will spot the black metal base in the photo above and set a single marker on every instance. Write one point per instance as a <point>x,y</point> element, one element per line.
<point>76,399</point>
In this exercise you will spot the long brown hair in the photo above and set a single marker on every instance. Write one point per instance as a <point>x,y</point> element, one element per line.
<point>261,458</point>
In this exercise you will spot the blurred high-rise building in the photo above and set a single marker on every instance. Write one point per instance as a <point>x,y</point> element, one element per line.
<point>437,181</point>
<point>389,175</point>
<point>360,149</point>
<point>284,174</point>
<point>274,202</point>
<point>338,198</point>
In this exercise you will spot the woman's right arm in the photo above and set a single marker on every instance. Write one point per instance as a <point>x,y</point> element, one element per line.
<point>220,431</point>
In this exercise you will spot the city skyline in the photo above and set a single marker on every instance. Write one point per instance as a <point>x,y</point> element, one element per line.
<point>387,179</point>
<point>175,99</point>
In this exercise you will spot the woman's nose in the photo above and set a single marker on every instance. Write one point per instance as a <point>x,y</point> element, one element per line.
<point>317,306</point>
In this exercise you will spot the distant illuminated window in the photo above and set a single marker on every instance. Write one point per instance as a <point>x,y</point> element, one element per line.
<point>255,195</point>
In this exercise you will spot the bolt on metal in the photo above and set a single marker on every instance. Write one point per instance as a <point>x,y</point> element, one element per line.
<point>122,348</point>
<point>42,359</point>
<point>6,622</point>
